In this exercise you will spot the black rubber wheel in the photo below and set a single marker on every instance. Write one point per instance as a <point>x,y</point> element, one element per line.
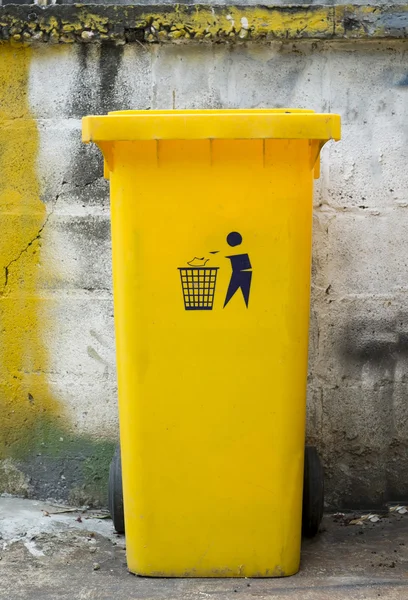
<point>313,493</point>
<point>115,493</point>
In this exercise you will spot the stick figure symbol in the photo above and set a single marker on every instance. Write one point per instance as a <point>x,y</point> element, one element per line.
<point>241,276</point>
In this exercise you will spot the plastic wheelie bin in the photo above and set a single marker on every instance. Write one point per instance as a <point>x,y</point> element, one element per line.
<point>211,242</point>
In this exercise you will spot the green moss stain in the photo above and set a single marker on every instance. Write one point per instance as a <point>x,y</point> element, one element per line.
<point>70,467</point>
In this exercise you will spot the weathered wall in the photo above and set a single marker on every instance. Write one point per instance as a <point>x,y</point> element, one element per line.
<point>57,359</point>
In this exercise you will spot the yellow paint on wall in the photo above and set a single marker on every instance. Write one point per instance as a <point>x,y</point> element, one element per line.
<point>281,24</point>
<point>25,398</point>
<point>254,22</point>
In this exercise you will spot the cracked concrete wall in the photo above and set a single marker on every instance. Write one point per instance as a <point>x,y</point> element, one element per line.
<point>61,409</point>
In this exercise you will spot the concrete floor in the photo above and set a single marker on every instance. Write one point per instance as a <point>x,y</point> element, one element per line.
<point>77,556</point>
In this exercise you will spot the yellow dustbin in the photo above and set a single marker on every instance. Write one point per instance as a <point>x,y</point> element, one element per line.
<point>211,236</point>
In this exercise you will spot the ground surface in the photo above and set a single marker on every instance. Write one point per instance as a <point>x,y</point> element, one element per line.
<point>77,556</point>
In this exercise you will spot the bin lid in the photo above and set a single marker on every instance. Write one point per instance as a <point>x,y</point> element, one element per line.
<point>286,123</point>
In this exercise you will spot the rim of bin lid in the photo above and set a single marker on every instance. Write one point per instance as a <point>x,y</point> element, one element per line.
<point>134,125</point>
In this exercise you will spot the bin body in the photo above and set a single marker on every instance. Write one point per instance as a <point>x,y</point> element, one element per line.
<point>212,378</point>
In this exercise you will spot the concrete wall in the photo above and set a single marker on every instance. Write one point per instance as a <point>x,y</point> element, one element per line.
<point>57,354</point>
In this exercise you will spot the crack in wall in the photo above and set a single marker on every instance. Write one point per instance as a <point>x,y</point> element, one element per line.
<point>83,185</point>
<point>28,245</point>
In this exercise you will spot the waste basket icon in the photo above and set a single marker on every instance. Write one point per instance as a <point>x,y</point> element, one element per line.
<point>198,286</point>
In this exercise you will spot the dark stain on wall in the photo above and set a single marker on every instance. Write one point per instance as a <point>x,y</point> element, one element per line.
<point>95,91</point>
<point>376,349</point>
<point>86,167</point>
<point>110,59</point>
<point>84,100</point>
<point>377,343</point>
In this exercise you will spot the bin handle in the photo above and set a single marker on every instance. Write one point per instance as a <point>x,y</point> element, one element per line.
<point>316,146</point>
<point>107,152</point>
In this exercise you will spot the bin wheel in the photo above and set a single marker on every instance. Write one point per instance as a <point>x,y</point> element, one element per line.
<point>115,492</point>
<point>313,493</point>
